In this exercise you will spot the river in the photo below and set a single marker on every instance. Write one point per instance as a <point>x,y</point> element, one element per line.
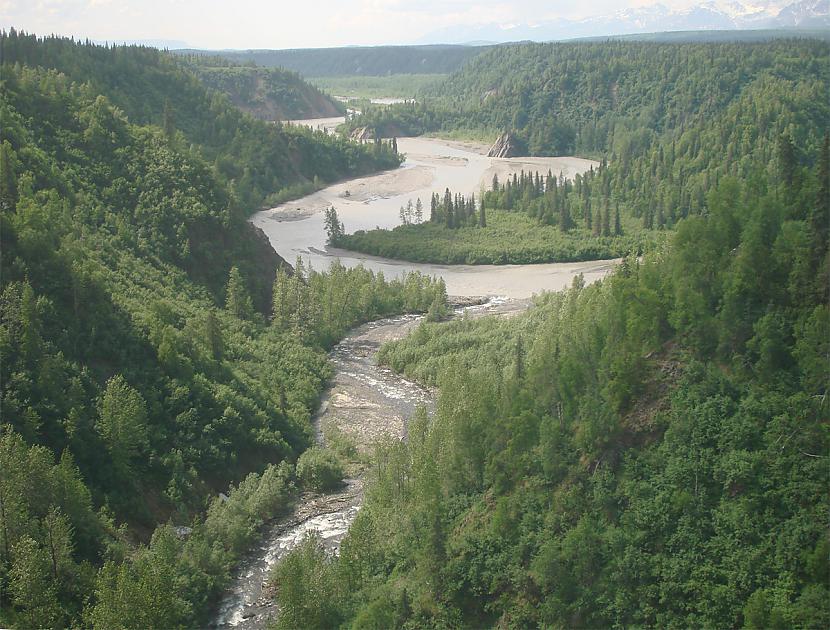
<point>432,165</point>
<point>366,401</point>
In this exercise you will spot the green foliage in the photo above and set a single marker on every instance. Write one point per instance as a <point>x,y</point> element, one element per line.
<point>266,93</point>
<point>509,238</point>
<point>369,87</point>
<point>308,588</point>
<point>333,226</point>
<point>123,424</point>
<point>647,451</point>
<point>672,120</point>
<point>321,307</point>
<point>373,61</point>
<point>319,469</point>
<point>151,87</point>
<point>138,375</point>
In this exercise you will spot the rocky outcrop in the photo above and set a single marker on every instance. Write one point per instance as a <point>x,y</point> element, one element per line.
<point>504,146</point>
<point>363,134</point>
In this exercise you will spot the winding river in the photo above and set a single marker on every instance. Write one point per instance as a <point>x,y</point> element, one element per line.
<point>432,165</point>
<point>366,401</point>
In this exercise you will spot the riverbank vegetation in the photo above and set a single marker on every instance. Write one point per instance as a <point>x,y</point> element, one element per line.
<point>650,450</point>
<point>508,239</point>
<point>365,87</point>
<point>670,120</point>
<point>154,401</point>
<point>531,218</point>
<point>150,87</point>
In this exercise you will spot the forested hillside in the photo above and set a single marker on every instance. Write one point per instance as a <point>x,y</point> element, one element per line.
<point>670,120</point>
<point>143,369</point>
<point>358,60</point>
<point>266,93</point>
<point>648,451</point>
<point>150,87</point>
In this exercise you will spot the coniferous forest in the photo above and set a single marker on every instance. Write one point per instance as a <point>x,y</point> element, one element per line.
<point>667,120</point>
<point>649,450</point>
<point>144,368</point>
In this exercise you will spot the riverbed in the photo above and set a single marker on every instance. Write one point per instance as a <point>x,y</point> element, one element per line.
<point>432,165</point>
<point>366,403</point>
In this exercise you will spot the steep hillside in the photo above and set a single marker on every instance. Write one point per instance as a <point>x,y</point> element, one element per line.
<point>266,93</point>
<point>649,451</point>
<point>669,121</point>
<point>143,366</point>
<point>150,87</point>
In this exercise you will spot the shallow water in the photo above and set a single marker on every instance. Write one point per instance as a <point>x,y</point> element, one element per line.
<point>365,401</point>
<point>432,165</point>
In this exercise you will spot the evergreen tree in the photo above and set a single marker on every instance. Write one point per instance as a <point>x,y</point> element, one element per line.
<point>213,336</point>
<point>419,211</point>
<point>237,299</point>
<point>482,216</point>
<point>786,159</point>
<point>32,586</point>
<point>333,226</point>
<point>617,223</point>
<point>606,218</point>
<point>448,209</point>
<point>168,120</point>
<point>8,179</point>
<point>299,298</point>
<point>565,217</point>
<point>280,300</point>
<point>122,423</point>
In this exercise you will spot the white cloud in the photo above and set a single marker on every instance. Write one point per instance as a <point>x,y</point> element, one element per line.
<point>256,24</point>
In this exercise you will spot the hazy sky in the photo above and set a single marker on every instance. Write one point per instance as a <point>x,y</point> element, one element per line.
<point>284,24</point>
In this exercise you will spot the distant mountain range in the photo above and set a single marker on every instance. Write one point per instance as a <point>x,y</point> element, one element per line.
<point>711,15</point>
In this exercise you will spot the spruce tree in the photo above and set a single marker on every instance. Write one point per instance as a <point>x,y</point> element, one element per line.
<point>786,159</point>
<point>168,121</point>
<point>448,209</point>
<point>606,218</point>
<point>8,179</point>
<point>237,299</point>
<point>281,306</point>
<point>565,218</point>
<point>617,223</point>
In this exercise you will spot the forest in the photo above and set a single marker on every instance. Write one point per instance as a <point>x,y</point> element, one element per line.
<point>374,61</point>
<point>266,93</point>
<point>650,450</point>
<point>144,368</point>
<point>669,120</point>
